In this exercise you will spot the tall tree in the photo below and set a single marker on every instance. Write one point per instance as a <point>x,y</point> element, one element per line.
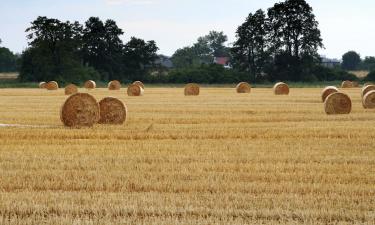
<point>102,47</point>
<point>251,49</point>
<point>54,51</point>
<point>351,60</point>
<point>138,56</point>
<point>294,28</point>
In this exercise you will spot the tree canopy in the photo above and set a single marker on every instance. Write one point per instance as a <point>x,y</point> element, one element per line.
<point>351,60</point>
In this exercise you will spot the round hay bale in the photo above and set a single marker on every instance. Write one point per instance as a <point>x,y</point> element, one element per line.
<point>347,84</point>
<point>338,103</point>
<point>139,83</point>
<point>135,90</point>
<point>327,91</point>
<point>192,89</point>
<point>355,84</point>
<point>42,85</point>
<point>281,89</point>
<point>80,110</point>
<point>112,111</point>
<point>367,89</point>
<point>114,85</point>
<point>71,89</point>
<point>368,100</point>
<point>243,87</point>
<point>52,85</point>
<point>90,84</point>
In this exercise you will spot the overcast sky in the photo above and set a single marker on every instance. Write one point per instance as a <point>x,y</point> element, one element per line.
<point>345,24</point>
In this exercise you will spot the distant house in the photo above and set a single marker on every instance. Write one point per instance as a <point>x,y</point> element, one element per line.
<point>330,63</point>
<point>224,61</point>
<point>164,61</point>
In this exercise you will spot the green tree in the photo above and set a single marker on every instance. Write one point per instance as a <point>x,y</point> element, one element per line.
<point>102,47</point>
<point>251,49</point>
<point>54,51</point>
<point>351,60</point>
<point>7,60</point>
<point>138,56</point>
<point>203,51</point>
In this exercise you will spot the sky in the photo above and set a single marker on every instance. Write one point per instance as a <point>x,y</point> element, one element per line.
<point>345,24</point>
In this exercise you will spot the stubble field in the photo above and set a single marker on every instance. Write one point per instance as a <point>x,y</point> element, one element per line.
<point>219,158</point>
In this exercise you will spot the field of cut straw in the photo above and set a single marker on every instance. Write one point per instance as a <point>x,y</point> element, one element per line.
<point>216,158</point>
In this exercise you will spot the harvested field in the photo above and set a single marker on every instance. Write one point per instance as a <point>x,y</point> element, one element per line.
<point>217,158</point>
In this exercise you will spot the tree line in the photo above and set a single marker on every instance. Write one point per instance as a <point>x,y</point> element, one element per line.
<point>72,52</point>
<point>279,44</point>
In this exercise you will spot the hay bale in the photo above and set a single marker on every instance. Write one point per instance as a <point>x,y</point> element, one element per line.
<point>42,85</point>
<point>112,111</point>
<point>135,90</point>
<point>114,85</point>
<point>192,89</point>
<point>367,89</point>
<point>281,89</point>
<point>368,100</point>
<point>366,84</point>
<point>327,91</point>
<point>52,85</point>
<point>347,84</point>
<point>243,87</point>
<point>71,89</point>
<point>90,84</point>
<point>139,83</point>
<point>80,110</point>
<point>338,103</point>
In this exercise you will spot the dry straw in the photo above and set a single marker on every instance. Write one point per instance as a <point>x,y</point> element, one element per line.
<point>243,87</point>
<point>139,83</point>
<point>52,85</point>
<point>327,91</point>
<point>112,111</point>
<point>80,110</point>
<point>42,85</point>
<point>71,89</point>
<point>368,100</point>
<point>281,89</point>
<point>367,89</point>
<point>114,85</point>
<point>338,103</point>
<point>192,89</point>
<point>135,90</point>
<point>90,84</point>
<point>366,84</point>
<point>347,84</point>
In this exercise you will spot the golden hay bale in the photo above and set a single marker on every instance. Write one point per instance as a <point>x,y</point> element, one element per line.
<point>355,84</point>
<point>192,89</point>
<point>347,84</point>
<point>112,111</point>
<point>135,90</point>
<point>52,85</point>
<point>90,84</point>
<point>368,100</point>
<point>281,89</point>
<point>327,91</point>
<point>71,89</point>
<point>80,110</point>
<point>42,85</point>
<point>139,83</point>
<point>338,103</point>
<point>114,85</point>
<point>243,87</point>
<point>367,89</point>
